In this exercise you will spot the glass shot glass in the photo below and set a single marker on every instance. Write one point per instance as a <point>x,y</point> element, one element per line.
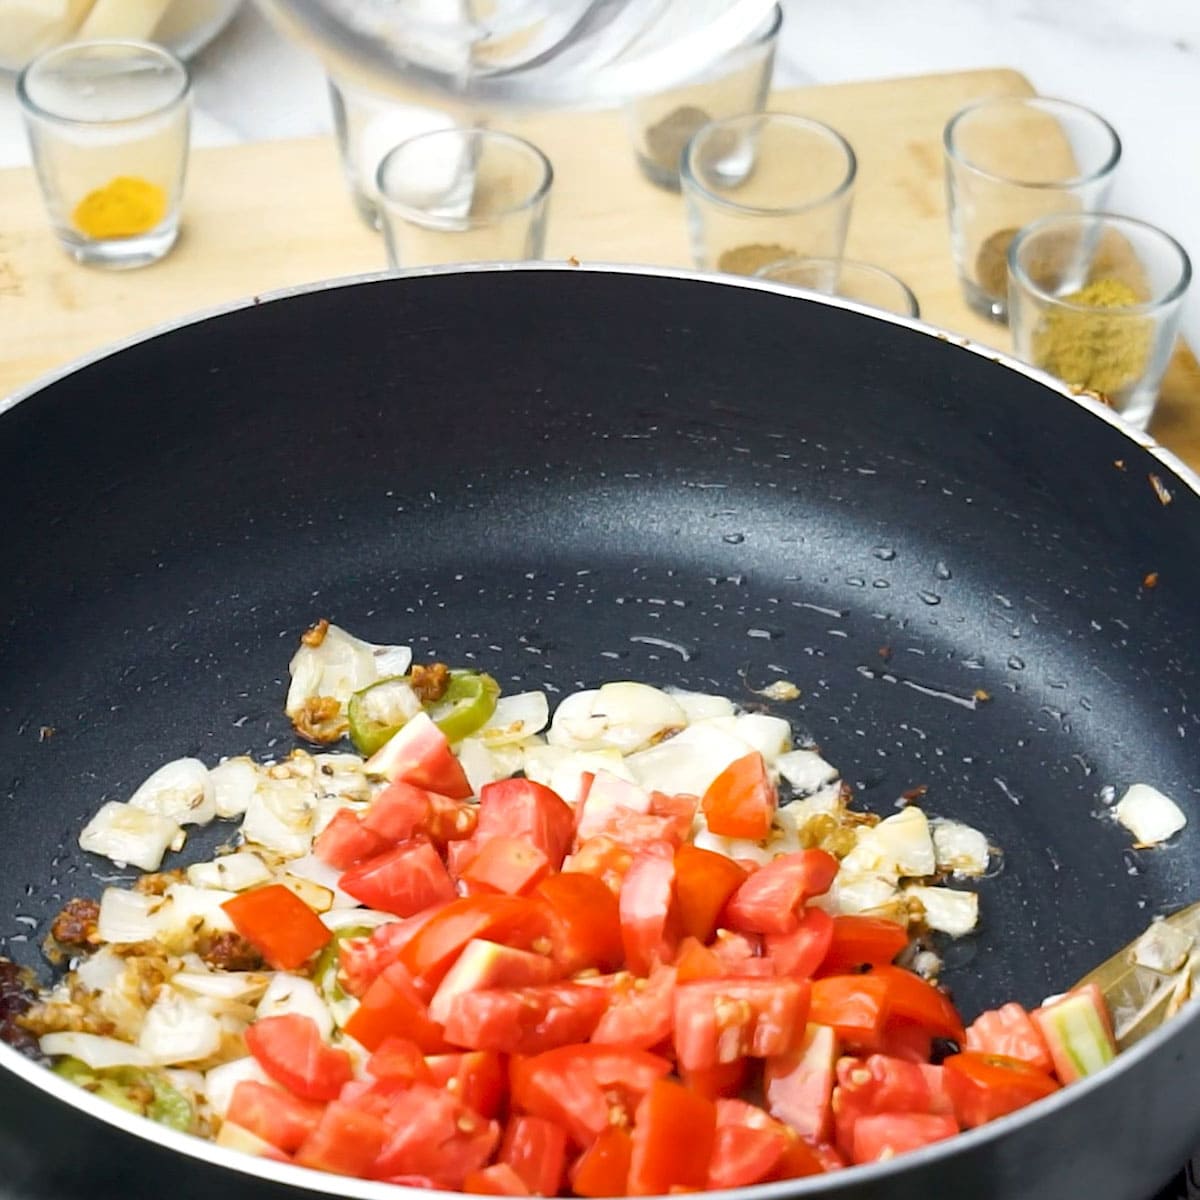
<point>1010,160</point>
<point>108,125</point>
<point>660,124</point>
<point>864,283</point>
<point>1096,299</point>
<point>367,126</point>
<point>759,188</point>
<point>463,195</point>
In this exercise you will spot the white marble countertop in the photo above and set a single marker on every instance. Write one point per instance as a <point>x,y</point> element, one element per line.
<point>1138,65</point>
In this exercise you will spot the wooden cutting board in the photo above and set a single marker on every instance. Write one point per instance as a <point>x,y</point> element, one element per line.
<point>273,214</point>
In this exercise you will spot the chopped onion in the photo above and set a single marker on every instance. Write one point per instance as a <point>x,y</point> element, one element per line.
<point>391,660</point>
<point>231,872</point>
<point>900,846</point>
<point>177,1030</point>
<point>757,852</point>
<point>184,909</point>
<point>319,872</point>
<point>1163,948</point>
<point>770,736</point>
<point>318,898</point>
<point>688,762</point>
<point>872,894</point>
<point>607,794</point>
<point>1149,815</point>
<point>700,706</point>
<point>390,703</point>
<point>566,776</point>
<point>478,764</point>
<point>288,994</point>
<point>342,776</point>
<point>959,848</point>
<point>805,770</point>
<point>340,666</point>
<point>101,971</point>
<point>349,918</point>
<point>127,917</point>
<point>220,1082</point>
<point>624,716</point>
<point>96,1051</point>
<point>516,717</point>
<point>946,910</point>
<point>180,790</point>
<point>233,783</point>
<point>826,800</point>
<point>281,817</point>
<point>129,835</point>
<point>222,985</point>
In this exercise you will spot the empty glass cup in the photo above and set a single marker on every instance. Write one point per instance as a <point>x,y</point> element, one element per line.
<point>108,126</point>
<point>764,187</point>
<point>864,283</point>
<point>464,195</point>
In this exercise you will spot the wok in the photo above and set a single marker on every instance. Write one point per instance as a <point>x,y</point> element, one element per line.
<point>576,475</point>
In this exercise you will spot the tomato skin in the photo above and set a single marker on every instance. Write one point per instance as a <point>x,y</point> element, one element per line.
<point>639,1011</point>
<point>507,864</point>
<point>986,1086</point>
<point>673,1135</point>
<point>798,1085</point>
<point>859,941</point>
<point>742,1155</point>
<point>649,923</point>
<point>721,1020</point>
<point>878,1084</point>
<point>680,812</point>
<point>278,924</point>
<point>346,1142</point>
<point>524,1020</point>
<point>694,961</point>
<point>404,880</point>
<point>398,812</point>
<point>485,964</point>
<point>500,1179</point>
<point>521,808</point>
<point>346,841</point>
<point>909,1040</point>
<point>420,754</point>
<point>801,952</point>
<point>393,1006</point>
<point>741,801</point>
<point>1009,1031</point>
<point>603,1168</point>
<point>398,1059</point>
<point>724,1081</point>
<point>912,997</point>
<point>887,1134</point>
<point>854,1006</point>
<point>275,1116</point>
<point>704,881</point>
<point>478,1078</point>
<point>290,1049</point>
<point>537,1150</point>
<point>767,902</point>
<point>587,922</point>
<point>361,960</point>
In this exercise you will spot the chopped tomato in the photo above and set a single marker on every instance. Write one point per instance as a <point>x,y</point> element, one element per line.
<point>694,961</point>
<point>497,1180</point>
<point>587,922</point>
<point>1078,1032</point>
<point>523,809</point>
<point>801,1159</point>
<point>720,1020</point>
<point>360,960</point>
<point>475,1077</point>
<point>290,1049</point>
<point>741,801</point>
<point>704,881</point>
<point>909,1040</point>
<point>483,964</point>
<point>798,1085</point>
<point>673,1135</point>
<point>881,1137</point>
<point>602,857</point>
<point>390,1006</point>
<point>537,1150</point>
<point>649,923</point>
<point>450,821</point>
<point>404,880</point>
<point>740,952</point>
<point>603,1168</point>
<point>507,864</point>
<point>769,900</point>
<point>912,997</point>
<point>680,809</point>
<point>986,1086</point>
<point>280,926</point>
<point>275,1116</point>
<point>743,1155</point>
<point>1009,1031</point>
<point>603,797</point>
<point>862,941</point>
<point>398,812</point>
<point>524,1020</point>
<point>346,1142</point>
<point>724,1081</point>
<point>346,841</point>
<point>639,1011</point>
<point>420,754</point>
<point>854,1006</point>
<point>636,831</point>
<point>878,1084</point>
<point>398,1058</point>
<point>802,951</point>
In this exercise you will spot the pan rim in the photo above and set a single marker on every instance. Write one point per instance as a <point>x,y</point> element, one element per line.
<point>288,1174</point>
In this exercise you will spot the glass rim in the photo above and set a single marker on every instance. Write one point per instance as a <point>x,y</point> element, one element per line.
<point>1046,103</point>
<point>67,49</point>
<point>1175,293</point>
<point>421,216</point>
<point>688,176</point>
<point>856,266</point>
<point>767,32</point>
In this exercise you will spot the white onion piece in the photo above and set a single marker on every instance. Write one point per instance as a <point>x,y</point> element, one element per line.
<point>318,898</point>
<point>959,848</point>
<point>328,807</point>
<point>222,985</point>
<point>757,852</point>
<point>96,1051</point>
<point>770,736</point>
<point>180,790</point>
<point>861,894</point>
<point>826,800</point>
<point>900,846</point>
<point>317,871</point>
<point>805,770</point>
<point>511,758</point>
<point>700,706</point>
<point>340,666</point>
<point>516,717</point>
<point>177,1030</point>
<point>101,972</point>
<point>478,764</point>
<point>233,783</point>
<point>1163,947</point>
<point>1149,815</point>
<point>947,910</point>
<point>624,716</point>
<point>129,836</point>
<point>237,1137</point>
<point>281,817</point>
<point>127,917</point>
<point>392,660</point>
<point>348,918</point>
<point>689,761</point>
<point>287,994</point>
<point>184,909</point>
<point>186,1080</point>
<point>341,775</point>
<point>566,780</point>
<point>231,872</point>
<point>609,793</point>
<point>220,1082</point>
<point>390,703</point>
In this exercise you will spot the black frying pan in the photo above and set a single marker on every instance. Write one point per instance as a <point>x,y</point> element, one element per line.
<point>543,468</point>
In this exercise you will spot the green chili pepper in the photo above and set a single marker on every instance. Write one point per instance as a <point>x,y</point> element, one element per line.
<point>325,974</point>
<point>147,1093</point>
<point>466,706</point>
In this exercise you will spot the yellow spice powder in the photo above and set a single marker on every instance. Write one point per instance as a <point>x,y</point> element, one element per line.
<point>124,207</point>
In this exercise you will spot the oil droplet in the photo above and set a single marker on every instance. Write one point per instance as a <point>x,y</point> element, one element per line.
<point>880,583</point>
<point>930,598</point>
<point>856,581</point>
<point>1015,663</point>
<point>734,539</point>
<point>765,634</point>
<point>942,571</point>
<point>884,553</point>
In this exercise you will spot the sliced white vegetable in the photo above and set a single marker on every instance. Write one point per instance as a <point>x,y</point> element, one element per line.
<point>689,761</point>
<point>392,660</point>
<point>624,716</point>
<point>184,909</point>
<point>770,736</point>
<point>98,1052</point>
<point>757,852</point>
<point>390,703</point>
<point>348,918</point>
<point>220,1082</point>
<point>607,794</point>
<point>129,836</point>
<point>316,896</point>
<point>510,759</point>
<point>281,817</point>
<point>178,1030</point>
<point>516,718</point>
<point>102,971</point>
<point>181,791</point>
<point>1149,815</point>
<point>233,783</point>
<point>319,872</point>
<point>340,666</point>
<point>478,764</point>
<point>231,872</point>
<point>700,706</point>
<point>824,801</point>
<point>567,777</point>
<point>805,770</point>
<point>127,917</point>
<point>236,1137</point>
<point>222,985</point>
<point>947,910</point>
<point>1163,947</point>
<point>860,894</point>
<point>327,808</point>
<point>287,994</point>
<point>900,846</point>
<point>341,775</point>
<point>959,848</point>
